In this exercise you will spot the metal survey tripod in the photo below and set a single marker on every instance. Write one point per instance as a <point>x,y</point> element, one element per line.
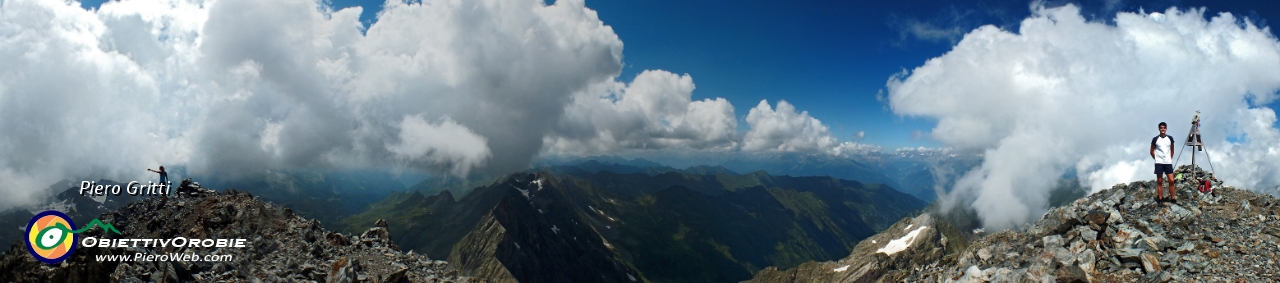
<point>1193,140</point>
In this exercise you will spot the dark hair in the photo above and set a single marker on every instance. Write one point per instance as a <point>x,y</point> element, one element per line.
<point>162,167</point>
<point>1163,125</point>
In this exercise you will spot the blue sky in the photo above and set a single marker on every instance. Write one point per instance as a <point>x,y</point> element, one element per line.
<point>830,58</point>
<point>278,84</point>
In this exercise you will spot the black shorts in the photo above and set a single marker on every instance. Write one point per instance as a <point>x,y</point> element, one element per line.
<point>1162,169</point>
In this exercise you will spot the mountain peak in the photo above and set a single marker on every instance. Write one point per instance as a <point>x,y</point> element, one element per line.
<point>606,226</point>
<point>709,170</point>
<point>1116,235</point>
<point>535,234</point>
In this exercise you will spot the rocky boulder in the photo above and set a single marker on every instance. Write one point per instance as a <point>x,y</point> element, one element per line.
<point>280,247</point>
<point>909,242</point>
<point>1116,235</point>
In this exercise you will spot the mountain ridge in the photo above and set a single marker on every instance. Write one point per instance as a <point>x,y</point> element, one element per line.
<point>280,246</point>
<point>918,173</point>
<point>1118,234</point>
<point>695,225</point>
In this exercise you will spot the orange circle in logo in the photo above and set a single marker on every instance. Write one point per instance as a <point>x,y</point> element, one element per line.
<point>49,236</point>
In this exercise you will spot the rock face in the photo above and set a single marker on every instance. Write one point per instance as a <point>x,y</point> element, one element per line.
<point>80,208</point>
<point>534,235</point>
<point>675,226</point>
<point>885,255</point>
<point>1116,235</point>
<point>281,247</point>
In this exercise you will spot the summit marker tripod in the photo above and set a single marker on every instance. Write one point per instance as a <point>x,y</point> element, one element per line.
<point>1196,144</point>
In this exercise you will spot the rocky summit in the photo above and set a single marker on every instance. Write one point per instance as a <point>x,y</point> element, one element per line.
<point>280,247</point>
<point>1121,234</point>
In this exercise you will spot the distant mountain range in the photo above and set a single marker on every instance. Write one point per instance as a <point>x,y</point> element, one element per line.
<point>915,172</point>
<point>654,223</point>
<point>328,196</point>
<point>325,196</point>
<point>609,219</point>
<point>608,222</point>
<point>80,208</point>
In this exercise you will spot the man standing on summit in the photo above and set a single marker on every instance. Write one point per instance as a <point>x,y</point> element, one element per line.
<point>1162,152</point>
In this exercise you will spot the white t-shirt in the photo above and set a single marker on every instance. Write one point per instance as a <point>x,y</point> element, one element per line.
<point>1164,149</point>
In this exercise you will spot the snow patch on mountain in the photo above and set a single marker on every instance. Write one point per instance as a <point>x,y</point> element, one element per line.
<point>899,244</point>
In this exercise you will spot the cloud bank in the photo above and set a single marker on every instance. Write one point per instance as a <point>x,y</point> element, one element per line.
<point>654,111</point>
<point>1062,93</point>
<point>784,129</point>
<point>237,87</point>
<point>240,86</point>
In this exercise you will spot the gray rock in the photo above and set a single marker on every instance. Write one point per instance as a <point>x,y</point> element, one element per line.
<point>1153,244</point>
<point>1194,263</point>
<point>1273,231</point>
<point>1087,234</point>
<point>1001,274</point>
<point>1186,248</point>
<point>1076,247</point>
<point>1125,236</point>
<point>1062,256</point>
<point>1128,255</point>
<point>1157,277</point>
<point>1117,194</point>
<point>1086,260</point>
<point>1052,241</point>
<point>1150,262</point>
<point>1072,274</point>
<point>1169,260</point>
<point>984,254</point>
<point>1096,218</point>
<point>398,276</point>
<point>1178,214</point>
<point>343,271</point>
<point>1144,226</point>
<point>973,275</point>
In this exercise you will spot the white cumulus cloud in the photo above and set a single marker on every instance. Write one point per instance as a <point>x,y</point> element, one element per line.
<point>654,111</point>
<point>237,87</point>
<point>440,144</point>
<point>785,130</point>
<point>1063,93</point>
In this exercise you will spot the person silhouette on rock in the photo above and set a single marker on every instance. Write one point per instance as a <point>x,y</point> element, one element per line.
<point>164,176</point>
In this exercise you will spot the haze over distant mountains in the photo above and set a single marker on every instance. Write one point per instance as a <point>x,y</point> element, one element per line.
<point>921,173</point>
<point>701,224</point>
<point>620,220</point>
<point>329,196</point>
